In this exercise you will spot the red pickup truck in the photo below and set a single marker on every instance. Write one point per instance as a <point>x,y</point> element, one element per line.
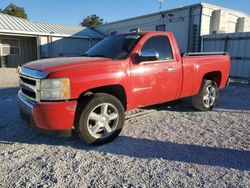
<point>91,93</point>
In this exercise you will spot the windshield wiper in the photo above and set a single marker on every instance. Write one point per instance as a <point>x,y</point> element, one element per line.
<point>95,55</point>
<point>85,55</point>
<point>99,55</point>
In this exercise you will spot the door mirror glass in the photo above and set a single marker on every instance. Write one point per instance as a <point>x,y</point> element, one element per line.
<point>148,55</point>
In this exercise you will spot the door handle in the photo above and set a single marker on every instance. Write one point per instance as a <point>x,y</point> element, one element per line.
<point>171,69</point>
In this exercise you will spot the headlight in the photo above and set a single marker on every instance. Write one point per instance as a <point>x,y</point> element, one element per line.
<point>55,89</point>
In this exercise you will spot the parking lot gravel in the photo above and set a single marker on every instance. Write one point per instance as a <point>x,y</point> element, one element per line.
<point>8,78</point>
<point>167,145</point>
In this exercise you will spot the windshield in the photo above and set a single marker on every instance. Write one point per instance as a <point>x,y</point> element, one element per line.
<point>114,47</point>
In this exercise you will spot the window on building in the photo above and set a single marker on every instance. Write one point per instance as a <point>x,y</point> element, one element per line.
<point>10,47</point>
<point>160,28</point>
<point>113,33</point>
<point>160,44</point>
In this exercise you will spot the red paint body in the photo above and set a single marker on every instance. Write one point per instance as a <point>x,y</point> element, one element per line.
<point>144,84</point>
<point>54,115</point>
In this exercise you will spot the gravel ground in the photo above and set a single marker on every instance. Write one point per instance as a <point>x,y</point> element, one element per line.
<point>168,145</point>
<point>8,78</point>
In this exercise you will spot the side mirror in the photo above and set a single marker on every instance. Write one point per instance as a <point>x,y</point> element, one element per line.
<point>148,55</point>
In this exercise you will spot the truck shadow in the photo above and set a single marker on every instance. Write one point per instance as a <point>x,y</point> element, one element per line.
<point>141,149</point>
<point>202,155</point>
<point>13,131</point>
<point>234,99</point>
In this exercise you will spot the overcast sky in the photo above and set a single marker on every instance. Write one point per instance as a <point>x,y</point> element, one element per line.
<point>73,11</point>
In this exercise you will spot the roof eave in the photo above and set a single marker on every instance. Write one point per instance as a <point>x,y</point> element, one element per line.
<point>34,34</point>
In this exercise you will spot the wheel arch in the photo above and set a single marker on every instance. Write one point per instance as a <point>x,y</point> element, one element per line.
<point>116,90</point>
<point>215,76</point>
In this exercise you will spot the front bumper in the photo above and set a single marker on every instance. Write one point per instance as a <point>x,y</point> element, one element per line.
<point>54,118</point>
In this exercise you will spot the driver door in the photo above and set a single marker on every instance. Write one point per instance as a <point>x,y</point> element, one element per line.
<point>157,81</point>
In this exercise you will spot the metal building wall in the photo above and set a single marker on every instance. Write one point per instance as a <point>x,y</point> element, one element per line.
<point>28,51</point>
<point>238,47</point>
<point>187,23</point>
<point>183,22</point>
<point>217,20</point>
<point>64,46</point>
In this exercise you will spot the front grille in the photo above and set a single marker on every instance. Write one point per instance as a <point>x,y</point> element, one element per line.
<point>29,87</point>
<point>28,81</point>
<point>29,93</point>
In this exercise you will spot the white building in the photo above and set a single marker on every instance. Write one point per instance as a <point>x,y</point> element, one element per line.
<point>22,41</point>
<point>187,23</point>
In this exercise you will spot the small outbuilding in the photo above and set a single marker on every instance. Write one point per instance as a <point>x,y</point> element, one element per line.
<point>22,40</point>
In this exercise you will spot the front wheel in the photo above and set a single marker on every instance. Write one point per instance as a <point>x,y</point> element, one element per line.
<point>207,97</point>
<point>101,119</point>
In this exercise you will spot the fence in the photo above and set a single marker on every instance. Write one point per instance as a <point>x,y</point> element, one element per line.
<point>238,47</point>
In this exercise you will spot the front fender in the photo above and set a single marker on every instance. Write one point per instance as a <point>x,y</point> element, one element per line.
<point>93,76</point>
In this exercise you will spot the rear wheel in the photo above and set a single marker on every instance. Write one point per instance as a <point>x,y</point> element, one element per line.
<point>101,119</point>
<point>207,97</point>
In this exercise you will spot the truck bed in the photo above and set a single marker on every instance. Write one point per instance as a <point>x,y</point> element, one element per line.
<point>204,53</point>
<point>197,65</point>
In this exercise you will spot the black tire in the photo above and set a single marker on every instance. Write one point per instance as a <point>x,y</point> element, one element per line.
<point>84,125</point>
<point>199,102</point>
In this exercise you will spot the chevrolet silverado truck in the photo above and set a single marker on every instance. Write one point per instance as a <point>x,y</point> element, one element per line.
<point>91,93</point>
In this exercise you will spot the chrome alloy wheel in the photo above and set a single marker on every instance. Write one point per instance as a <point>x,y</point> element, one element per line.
<point>103,120</point>
<point>209,96</point>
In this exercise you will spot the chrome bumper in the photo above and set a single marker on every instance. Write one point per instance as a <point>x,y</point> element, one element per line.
<point>228,82</point>
<point>26,112</point>
<point>24,103</point>
<point>26,108</point>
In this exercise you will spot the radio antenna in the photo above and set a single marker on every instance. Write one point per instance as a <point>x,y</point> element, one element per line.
<point>160,8</point>
<point>161,2</point>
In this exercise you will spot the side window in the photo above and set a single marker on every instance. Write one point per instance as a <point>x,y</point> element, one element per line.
<point>160,44</point>
<point>10,47</point>
<point>160,27</point>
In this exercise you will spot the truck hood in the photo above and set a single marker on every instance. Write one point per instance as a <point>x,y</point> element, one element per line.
<point>62,63</point>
